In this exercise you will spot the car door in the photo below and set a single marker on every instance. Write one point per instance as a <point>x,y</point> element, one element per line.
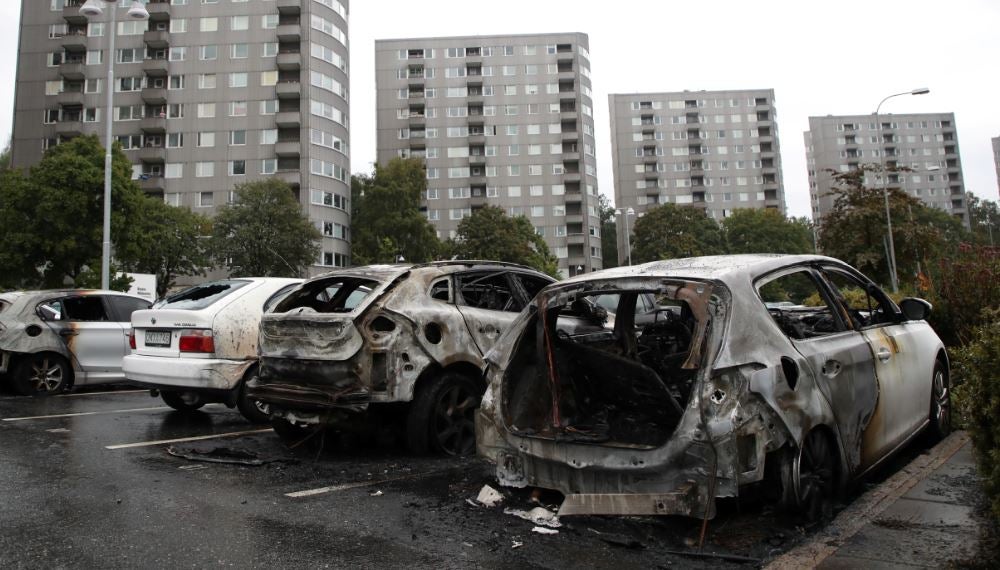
<point>837,357</point>
<point>96,341</point>
<point>488,301</point>
<point>122,308</point>
<point>903,372</point>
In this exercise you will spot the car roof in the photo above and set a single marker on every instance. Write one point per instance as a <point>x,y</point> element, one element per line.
<point>50,292</point>
<point>724,268</point>
<point>389,272</point>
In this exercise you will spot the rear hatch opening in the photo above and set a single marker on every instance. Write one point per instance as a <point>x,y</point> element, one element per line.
<point>621,385</point>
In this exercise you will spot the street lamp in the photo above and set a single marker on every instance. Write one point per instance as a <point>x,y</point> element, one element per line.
<point>885,189</point>
<point>93,9</point>
<point>628,238</point>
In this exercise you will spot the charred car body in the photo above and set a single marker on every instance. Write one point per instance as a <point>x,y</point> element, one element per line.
<point>53,340</point>
<point>792,371</point>
<point>357,341</point>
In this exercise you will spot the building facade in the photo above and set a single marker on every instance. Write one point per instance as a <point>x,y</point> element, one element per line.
<point>714,150</point>
<point>926,143</point>
<point>503,121</point>
<point>207,94</point>
<point>996,158</point>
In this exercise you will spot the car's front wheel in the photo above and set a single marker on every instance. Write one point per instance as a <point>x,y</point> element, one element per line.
<point>254,411</point>
<point>940,414</point>
<point>182,401</point>
<point>442,416</point>
<point>41,375</point>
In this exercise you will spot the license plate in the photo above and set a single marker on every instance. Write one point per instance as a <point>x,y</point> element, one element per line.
<point>157,338</point>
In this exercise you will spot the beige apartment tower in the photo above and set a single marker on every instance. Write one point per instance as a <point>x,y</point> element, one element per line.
<point>926,143</point>
<point>504,121</point>
<point>208,94</point>
<point>714,150</point>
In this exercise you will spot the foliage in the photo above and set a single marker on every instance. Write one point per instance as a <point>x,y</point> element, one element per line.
<point>490,234</point>
<point>264,233</point>
<point>609,233</point>
<point>984,219</point>
<point>975,365</point>
<point>854,229</point>
<point>766,231</point>
<point>969,282</point>
<point>386,220</point>
<point>5,157</point>
<point>670,231</point>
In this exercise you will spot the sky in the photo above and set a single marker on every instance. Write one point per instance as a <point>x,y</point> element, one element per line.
<point>822,57</point>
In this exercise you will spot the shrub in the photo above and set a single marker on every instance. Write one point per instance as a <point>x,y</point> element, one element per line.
<point>969,283</point>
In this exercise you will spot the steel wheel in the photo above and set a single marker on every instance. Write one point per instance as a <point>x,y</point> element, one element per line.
<point>41,375</point>
<point>817,476</point>
<point>940,413</point>
<point>454,426</point>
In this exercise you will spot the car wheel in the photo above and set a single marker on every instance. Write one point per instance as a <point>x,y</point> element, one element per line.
<point>41,374</point>
<point>816,477</point>
<point>254,411</point>
<point>442,416</point>
<point>182,401</point>
<point>940,414</point>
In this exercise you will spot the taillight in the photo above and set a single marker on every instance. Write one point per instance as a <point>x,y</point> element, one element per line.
<point>196,340</point>
<point>131,339</point>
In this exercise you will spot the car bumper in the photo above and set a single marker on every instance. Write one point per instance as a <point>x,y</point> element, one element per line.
<point>189,373</point>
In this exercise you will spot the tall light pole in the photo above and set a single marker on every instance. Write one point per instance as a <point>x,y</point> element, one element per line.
<point>93,9</point>
<point>885,189</point>
<point>628,237</point>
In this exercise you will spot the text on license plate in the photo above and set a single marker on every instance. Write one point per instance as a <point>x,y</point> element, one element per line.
<point>157,338</point>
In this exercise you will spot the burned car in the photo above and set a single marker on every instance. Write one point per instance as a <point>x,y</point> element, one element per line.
<point>790,376</point>
<point>389,344</point>
<point>51,341</point>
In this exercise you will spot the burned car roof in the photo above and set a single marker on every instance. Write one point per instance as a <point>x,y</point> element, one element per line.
<point>724,268</point>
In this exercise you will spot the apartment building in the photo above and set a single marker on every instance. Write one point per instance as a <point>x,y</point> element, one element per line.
<point>714,150</point>
<point>925,143</point>
<point>207,94</point>
<point>499,120</point>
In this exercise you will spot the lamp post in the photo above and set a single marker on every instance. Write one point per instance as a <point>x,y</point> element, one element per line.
<point>92,9</point>
<point>628,237</point>
<point>885,188</point>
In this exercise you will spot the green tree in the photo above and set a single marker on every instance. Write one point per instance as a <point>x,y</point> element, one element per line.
<point>386,220</point>
<point>855,229</point>
<point>491,234</point>
<point>984,219</point>
<point>609,232</point>
<point>264,233</point>
<point>670,231</point>
<point>766,231</point>
<point>5,157</point>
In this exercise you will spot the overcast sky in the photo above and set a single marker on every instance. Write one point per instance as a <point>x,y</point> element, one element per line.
<point>820,56</point>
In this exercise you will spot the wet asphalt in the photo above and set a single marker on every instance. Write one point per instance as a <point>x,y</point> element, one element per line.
<point>67,500</point>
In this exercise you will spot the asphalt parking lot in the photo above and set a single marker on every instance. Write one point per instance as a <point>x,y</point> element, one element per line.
<point>89,479</point>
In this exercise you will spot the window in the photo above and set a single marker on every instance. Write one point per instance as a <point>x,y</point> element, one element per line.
<point>269,107</point>
<point>238,79</point>
<point>269,49</point>
<point>329,28</point>
<point>206,110</point>
<point>237,167</point>
<point>204,169</point>
<point>268,78</point>
<point>175,82</point>
<point>237,138</point>
<point>178,26</point>
<point>208,25</point>
<point>269,166</point>
<point>177,54</point>
<point>269,21</point>
<point>797,305</point>
<point>238,109</point>
<point>175,140</point>
<point>206,199</point>
<point>239,51</point>
<point>206,81</point>
<point>863,308</point>
<point>206,139</point>
<point>239,23</point>
<point>269,136</point>
<point>173,170</point>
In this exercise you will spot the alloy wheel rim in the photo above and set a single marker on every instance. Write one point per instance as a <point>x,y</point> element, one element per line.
<point>816,473</point>
<point>942,400</point>
<point>454,421</point>
<point>46,375</point>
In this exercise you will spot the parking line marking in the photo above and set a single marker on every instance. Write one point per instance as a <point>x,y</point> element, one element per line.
<point>184,439</point>
<point>346,486</point>
<point>102,393</point>
<point>85,414</point>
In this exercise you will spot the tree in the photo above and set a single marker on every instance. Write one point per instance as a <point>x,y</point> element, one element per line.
<point>5,157</point>
<point>670,231</point>
<point>51,221</point>
<point>609,232</point>
<point>766,231</point>
<point>854,230</point>
<point>264,233</point>
<point>984,219</point>
<point>386,219</point>
<point>491,234</point>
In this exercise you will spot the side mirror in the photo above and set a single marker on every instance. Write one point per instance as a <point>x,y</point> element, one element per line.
<point>915,309</point>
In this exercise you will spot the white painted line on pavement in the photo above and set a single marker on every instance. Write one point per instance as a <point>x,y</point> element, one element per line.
<point>102,393</point>
<point>346,486</point>
<point>183,439</point>
<point>192,467</point>
<point>85,414</point>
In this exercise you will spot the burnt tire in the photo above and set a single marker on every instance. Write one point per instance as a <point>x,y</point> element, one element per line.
<point>182,401</point>
<point>815,476</point>
<point>42,374</point>
<point>255,411</point>
<point>940,412</point>
<point>442,416</point>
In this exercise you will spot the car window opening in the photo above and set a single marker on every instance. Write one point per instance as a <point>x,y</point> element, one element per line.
<point>334,295</point>
<point>614,384</point>
<point>491,291</point>
<point>201,296</point>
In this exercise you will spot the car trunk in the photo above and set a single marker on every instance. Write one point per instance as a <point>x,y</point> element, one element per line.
<point>158,331</point>
<point>625,387</point>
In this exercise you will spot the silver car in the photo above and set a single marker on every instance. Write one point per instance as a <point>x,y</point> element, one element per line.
<point>792,371</point>
<point>51,341</point>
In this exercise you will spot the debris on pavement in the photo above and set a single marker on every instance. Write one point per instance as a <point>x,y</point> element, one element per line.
<point>516,545</point>
<point>376,494</point>
<point>537,515</point>
<point>489,497</point>
<point>235,456</point>
<point>544,530</point>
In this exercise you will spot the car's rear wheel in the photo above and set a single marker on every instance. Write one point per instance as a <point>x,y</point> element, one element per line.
<point>816,476</point>
<point>442,416</point>
<point>254,411</point>
<point>182,401</point>
<point>41,374</point>
<point>940,414</point>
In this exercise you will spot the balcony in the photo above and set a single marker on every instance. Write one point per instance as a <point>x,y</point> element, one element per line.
<point>156,67</point>
<point>571,177</point>
<point>154,96</point>
<point>157,39</point>
<point>289,33</point>
<point>477,160</point>
<point>153,125</point>
<point>158,11</point>
<point>72,15</point>
<point>288,120</point>
<point>75,41</point>
<point>72,70</point>
<point>289,7</point>
<point>289,61</point>
<point>69,128</point>
<point>574,218</point>
<point>152,154</point>
<point>289,149</point>
<point>152,183</point>
<point>288,90</point>
<point>573,197</point>
<point>291,177</point>
<point>70,99</point>
<point>477,139</point>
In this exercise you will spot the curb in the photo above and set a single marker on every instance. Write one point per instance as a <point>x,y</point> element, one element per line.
<point>868,507</point>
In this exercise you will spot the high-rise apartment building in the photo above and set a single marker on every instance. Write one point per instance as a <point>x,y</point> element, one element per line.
<point>715,150</point>
<point>504,121</point>
<point>996,157</point>
<point>925,143</point>
<point>207,94</point>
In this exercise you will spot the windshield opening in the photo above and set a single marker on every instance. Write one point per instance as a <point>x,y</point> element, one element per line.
<point>332,295</point>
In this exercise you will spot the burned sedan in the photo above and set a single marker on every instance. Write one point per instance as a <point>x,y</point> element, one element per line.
<point>370,347</point>
<point>790,375</point>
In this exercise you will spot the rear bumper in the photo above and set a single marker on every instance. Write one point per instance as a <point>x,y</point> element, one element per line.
<point>192,374</point>
<point>309,385</point>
